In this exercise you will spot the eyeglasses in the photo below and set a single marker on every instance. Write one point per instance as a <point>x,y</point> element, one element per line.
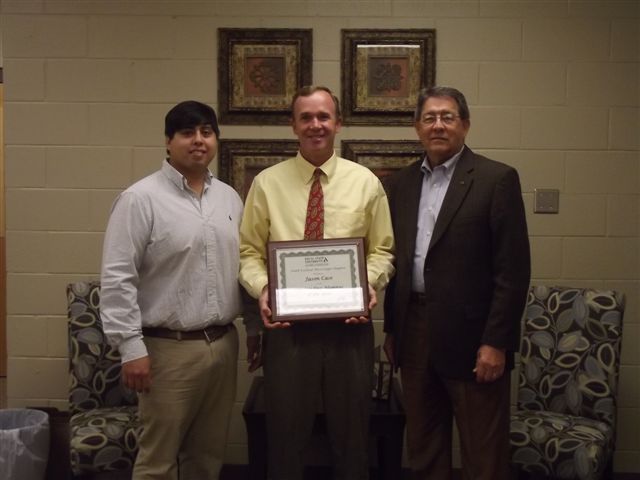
<point>446,118</point>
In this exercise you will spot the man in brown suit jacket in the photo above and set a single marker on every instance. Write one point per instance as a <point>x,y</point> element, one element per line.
<point>453,310</point>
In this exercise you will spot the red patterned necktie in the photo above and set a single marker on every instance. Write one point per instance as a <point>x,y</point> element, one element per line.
<point>314,224</point>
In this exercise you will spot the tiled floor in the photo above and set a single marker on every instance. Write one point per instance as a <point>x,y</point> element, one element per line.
<point>233,472</point>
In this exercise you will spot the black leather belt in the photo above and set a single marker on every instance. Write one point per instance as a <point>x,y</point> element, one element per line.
<point>210,334</point>
<point>418,297</point>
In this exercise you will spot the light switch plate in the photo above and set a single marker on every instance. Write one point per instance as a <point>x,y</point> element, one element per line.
<point>546,200</point>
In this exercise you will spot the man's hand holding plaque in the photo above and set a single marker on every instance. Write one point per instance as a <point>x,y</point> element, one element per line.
<point>373,301</point>
<point>265,310</point>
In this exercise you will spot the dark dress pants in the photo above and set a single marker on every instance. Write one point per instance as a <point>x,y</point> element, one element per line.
<point>309,366</point>
<point>481,412</point>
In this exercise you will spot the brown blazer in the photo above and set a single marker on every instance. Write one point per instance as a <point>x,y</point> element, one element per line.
<point>477,267</point>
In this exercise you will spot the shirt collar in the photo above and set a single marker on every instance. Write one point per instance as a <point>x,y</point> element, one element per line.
<point>178,179</point>
<point>449,165</point>
<point>306,168</point>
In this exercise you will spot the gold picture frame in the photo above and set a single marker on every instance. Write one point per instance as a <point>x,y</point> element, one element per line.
<point>383,72</point>
<point>241,160</point>
<point>382,157</point>
<point>259,71</point>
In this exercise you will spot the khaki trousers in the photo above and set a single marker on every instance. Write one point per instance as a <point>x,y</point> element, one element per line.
<point>481,412</point>
<point>185,416</point>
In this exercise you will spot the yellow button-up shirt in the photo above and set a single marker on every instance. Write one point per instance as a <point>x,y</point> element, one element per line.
<point>355,205</point>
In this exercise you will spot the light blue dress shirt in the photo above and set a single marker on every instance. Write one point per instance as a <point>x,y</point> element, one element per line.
<point>435,183</point>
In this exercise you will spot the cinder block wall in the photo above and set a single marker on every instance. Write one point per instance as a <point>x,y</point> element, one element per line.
<point>553,87</point>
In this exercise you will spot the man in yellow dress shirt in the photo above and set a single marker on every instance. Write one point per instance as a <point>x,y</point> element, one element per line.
<point>328,363</point>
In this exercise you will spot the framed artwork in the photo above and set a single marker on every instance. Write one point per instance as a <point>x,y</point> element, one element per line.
<point>259,71</point>
<point>383,157</point>
<point>382,73</point>
<point>241,160</point>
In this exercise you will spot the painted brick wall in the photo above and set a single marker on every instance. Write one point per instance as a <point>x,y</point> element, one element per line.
<point>553,87</point>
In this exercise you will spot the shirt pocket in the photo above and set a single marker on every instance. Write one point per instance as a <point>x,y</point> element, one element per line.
<point>349,224</point>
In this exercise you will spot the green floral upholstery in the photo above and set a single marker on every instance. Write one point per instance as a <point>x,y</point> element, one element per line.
<point>570,356</point>
<point>104,420</point>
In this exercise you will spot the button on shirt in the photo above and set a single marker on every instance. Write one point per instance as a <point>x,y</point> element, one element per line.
<point>435,183</point>
<point>170,260</point>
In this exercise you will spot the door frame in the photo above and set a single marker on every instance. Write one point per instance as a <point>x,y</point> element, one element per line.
<point>3,258</point>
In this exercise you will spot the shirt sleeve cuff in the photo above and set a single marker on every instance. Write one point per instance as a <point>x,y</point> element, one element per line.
<point>375,281</point>
<point>132,349</point>
<point>258,285</point>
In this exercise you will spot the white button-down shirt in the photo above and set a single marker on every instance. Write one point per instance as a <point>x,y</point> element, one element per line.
<point>170,259</point>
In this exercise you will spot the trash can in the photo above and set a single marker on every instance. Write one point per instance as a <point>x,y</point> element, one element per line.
<point>24,444</point>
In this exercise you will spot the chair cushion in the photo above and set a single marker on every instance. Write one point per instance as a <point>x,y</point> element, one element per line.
<point>562,445</point>
<point>104,439</point>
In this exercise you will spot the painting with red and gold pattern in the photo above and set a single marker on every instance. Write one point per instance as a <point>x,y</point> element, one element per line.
<point>259,71</point>
<point>265,76</point>
<point>383,72</point>
<point>388,76</point>
<point>241,160</point>
<point>382,157</point>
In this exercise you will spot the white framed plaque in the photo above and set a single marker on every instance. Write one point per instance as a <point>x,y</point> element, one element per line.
<point>317,279</point>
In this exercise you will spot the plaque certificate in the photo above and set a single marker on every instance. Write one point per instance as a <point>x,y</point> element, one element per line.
<point>317,279</point>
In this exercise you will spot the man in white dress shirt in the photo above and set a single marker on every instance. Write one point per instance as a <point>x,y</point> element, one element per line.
<point>169,295</point>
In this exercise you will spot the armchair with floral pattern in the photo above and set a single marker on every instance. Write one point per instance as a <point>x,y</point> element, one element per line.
<point>104,419</point>
<point>565,425</point>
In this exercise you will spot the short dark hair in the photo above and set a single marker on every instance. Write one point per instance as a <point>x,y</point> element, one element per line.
<point>309,90</point>
<point>457,95</point>
<point>189,114</point>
